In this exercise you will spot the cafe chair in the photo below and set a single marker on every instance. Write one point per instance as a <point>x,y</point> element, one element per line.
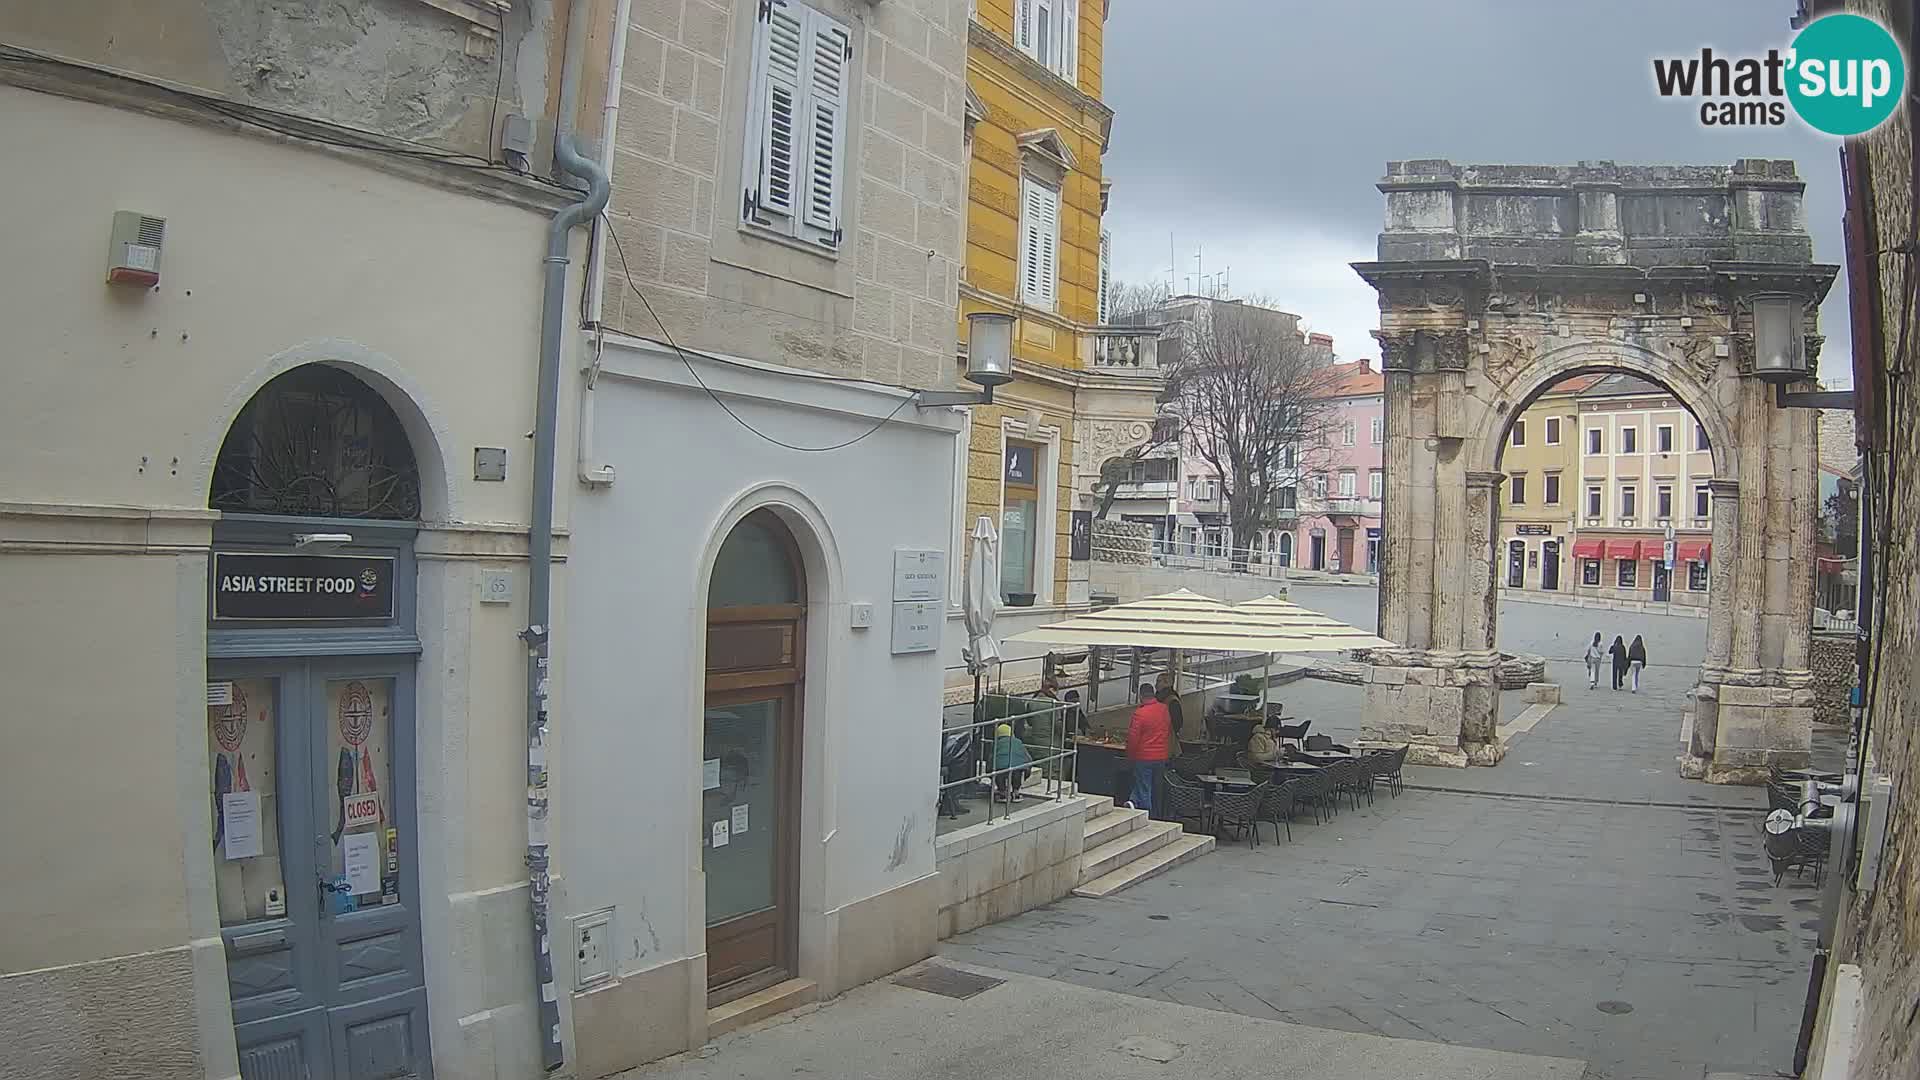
<point>1277,808</point>
<point>1238,813</point>
<point>1294,732</point>
<point>1185,802</point>
<point>1315,789</point>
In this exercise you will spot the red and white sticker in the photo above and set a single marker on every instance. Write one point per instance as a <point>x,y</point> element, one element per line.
<point>361,810</point>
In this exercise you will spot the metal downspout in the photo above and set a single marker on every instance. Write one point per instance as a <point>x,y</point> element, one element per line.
<point>538,633</point>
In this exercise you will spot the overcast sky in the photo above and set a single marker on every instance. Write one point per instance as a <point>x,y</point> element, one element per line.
<point>1255,132</point>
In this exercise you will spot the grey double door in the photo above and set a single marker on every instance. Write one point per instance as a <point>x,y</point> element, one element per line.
<point>312,767</point>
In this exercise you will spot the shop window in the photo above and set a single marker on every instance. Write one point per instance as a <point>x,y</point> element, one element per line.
<point>317,442</point>
<point>1629,573</point>
<point>1696,576</point>
<point>1590,571</point>
<point>1020,518</point>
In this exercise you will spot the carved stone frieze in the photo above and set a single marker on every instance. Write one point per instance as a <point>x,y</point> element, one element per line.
<point>1697,352</point>
<point>1449,349</point>
<point>1506,354</point>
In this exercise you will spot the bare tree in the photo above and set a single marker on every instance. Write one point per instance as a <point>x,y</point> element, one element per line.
<point>1132,303</point>
<point>1252,396</point>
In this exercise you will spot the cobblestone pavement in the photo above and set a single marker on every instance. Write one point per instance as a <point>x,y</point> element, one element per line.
<point>1578,900</point>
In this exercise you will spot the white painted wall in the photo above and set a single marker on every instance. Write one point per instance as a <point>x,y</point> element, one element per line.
<point>628,740</point>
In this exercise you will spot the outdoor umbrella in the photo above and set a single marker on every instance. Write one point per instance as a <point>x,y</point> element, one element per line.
<point>982,599</point>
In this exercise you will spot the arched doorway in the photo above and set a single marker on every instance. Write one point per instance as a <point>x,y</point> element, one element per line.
<point>756,610</point>
<point>311,648</point>
<point>1496,282</point>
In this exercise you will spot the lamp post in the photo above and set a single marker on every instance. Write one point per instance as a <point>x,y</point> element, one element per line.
<point>989,362</point>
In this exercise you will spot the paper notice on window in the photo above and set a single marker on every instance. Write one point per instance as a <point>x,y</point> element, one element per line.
<point>710,774</point>
<point>362,855</point>
<point>241,809</point>
<point>740,819</point>
<point>720,833</point>
<point>219,693</point>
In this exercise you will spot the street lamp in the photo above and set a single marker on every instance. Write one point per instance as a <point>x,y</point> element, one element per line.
<point>1780,356</point>
<point>989,362</point>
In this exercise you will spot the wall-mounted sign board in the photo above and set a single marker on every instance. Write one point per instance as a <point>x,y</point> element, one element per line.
<point>302,587</point>
<point>917,625</point>
<point>919,574</point>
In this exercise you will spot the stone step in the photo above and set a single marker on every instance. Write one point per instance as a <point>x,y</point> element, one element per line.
<point>1111,826</point>
<point>1166,857</point>
<point>756,1007</point>
<point>1144,839</point>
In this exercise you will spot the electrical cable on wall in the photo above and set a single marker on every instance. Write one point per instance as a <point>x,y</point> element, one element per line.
<point>620,252</point>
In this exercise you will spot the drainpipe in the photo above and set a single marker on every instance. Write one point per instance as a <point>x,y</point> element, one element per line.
<point>540,538</point>
<point>592,475</point>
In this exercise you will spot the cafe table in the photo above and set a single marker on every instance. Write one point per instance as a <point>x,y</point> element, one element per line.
<point>1323,756</point>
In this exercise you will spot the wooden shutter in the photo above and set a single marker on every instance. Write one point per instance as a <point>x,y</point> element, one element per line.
<point>1106,306</point>
<point>1070,40</point>
<point>777,148</point>
<point>829,50</point>
<point>1039,240</point>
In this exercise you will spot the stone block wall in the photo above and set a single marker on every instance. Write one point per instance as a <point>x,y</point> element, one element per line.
<point>1832,663</point>
<point>1127,542</point>
<point>996,870</point>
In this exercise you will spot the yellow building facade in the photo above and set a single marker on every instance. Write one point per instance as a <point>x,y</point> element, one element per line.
<point>1539,500</point>
<point>1035,132</point>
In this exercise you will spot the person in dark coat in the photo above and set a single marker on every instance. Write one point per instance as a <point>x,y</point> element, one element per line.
<point>1618,650</point>
<point>1637,659</point>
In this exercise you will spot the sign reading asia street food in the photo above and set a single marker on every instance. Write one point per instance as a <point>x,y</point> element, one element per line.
<point>302,587</point>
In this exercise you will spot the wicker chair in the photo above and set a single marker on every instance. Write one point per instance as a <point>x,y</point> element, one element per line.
<point>1277,808</point>
<point>1185,802</point>
<point>1390,769</point>
<point>1315,789</point>
<point>1363,777</point>
<point>1239,812</point>
<point>1346,781</point>
<point>1801,848</point>
<point>1192,763</point>
<point>1260,772</point>
<point>1782,795</point>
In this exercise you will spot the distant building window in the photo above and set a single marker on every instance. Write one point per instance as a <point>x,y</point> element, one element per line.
<point>1347,480</point>
<point>1288,457</point>
<point>1629,440</point>
<point>1517,484</point>
<point>1663,501</point>
<point>1593,502</point>
<point>1663,438</point>
<point>1629,573</point>
<point>1376,481</point>
<point>1379,431</point>
<point>1629,501</point>
<point>1039,244</point>
<point>1696,577</point>
<point>1519,433</point>
<point>1553,431</point>
<point>1700,437</point>
<point>1596,441</point>
<point>1346,433</point>
<point>1589,571</point>
<point>1049,31</point>
<point>1289,497</point>
<point>1702,501</point>
<point>1551,492</point>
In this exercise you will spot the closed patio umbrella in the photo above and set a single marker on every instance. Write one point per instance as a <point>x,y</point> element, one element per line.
<point>982,599</point>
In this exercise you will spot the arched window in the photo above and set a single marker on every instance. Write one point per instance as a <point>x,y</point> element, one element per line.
<point>756,566</point>
<point>317,442</point>
<point>1286,549</point>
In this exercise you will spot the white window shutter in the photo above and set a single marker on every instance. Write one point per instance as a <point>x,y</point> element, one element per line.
<point>1023,26</point>
<point>1070,41</point>
<point>1050,244</point>
<point>1106,303</point>
<point>829,52</point>
<point>1039,244</point>
<point>776,145</point>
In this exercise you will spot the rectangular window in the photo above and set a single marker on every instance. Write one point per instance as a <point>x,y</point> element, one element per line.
<point>1629,440</point>
<point>1346,433</point>
<point>1288,457</point>
<point>1663,438</point>
<point>1596,441</point>
<point>796,132</point>
<point>1039,244</point>
<point>1552,490</point>
<point>1663,501</point>
<point>1519,437</point>
<point>1049,31</point>
<point>1593,502</point>
<point>1379,431</point>
<point>1629,499</point>
<point>1696,576</point>
<point>1213,542</point>
<point>1589,571</point>
<point>1629,573</point>
<point>1376,483</point>
<point>1289,497</point>
<point>1702,502</point>
<point>1700,438</point>
<point>1517,485</point>
<point>1319,487</point>
<point>1347,481</point>
<point>1553,431</point>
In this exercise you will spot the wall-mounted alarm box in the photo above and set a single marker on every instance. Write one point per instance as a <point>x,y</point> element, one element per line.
<point>133,256</point>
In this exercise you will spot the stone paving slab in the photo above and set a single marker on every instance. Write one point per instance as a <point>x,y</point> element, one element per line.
<point>1036,1029</point>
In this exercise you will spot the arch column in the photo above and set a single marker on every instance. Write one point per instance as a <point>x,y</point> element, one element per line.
<point>1479,660</point>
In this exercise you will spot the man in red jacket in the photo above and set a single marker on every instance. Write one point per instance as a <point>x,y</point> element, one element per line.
<point>1149,734</point>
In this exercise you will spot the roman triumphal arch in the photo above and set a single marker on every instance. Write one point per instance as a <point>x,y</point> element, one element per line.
<point>1498,281</point>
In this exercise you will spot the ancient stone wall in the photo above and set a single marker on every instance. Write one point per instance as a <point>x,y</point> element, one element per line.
<point>1128,542</point>
<point>1833,656</point>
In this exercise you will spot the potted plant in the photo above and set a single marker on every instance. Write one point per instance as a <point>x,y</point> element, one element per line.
<point>1020,599</point>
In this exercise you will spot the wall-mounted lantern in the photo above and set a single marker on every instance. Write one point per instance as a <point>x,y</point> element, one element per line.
<point>1780,353</point>
<point>989,362</point>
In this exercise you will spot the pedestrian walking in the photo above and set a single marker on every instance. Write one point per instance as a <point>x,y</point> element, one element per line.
<point>1618,650</point>
<point>1637,659</point>
<point>1596,655</point>
<point>1149,734</point>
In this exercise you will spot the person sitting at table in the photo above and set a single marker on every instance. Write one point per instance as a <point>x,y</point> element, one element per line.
<point>1263,746</point>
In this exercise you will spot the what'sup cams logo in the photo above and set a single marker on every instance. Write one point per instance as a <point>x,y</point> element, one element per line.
<point>1842,75</point>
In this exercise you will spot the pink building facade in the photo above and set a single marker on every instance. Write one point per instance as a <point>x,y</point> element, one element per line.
<point>1339,492</point>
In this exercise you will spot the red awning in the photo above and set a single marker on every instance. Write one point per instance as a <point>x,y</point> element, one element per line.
<point>1588,549</point>
<point>1692,550</point>
<point>1623,549</point>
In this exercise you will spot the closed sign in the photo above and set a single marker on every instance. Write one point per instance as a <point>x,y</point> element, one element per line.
<point>357,810</point>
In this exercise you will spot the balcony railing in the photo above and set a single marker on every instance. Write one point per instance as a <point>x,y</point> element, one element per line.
<point>1340,504</point>
<point>1127,349</point>
<point>1147,489</point>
